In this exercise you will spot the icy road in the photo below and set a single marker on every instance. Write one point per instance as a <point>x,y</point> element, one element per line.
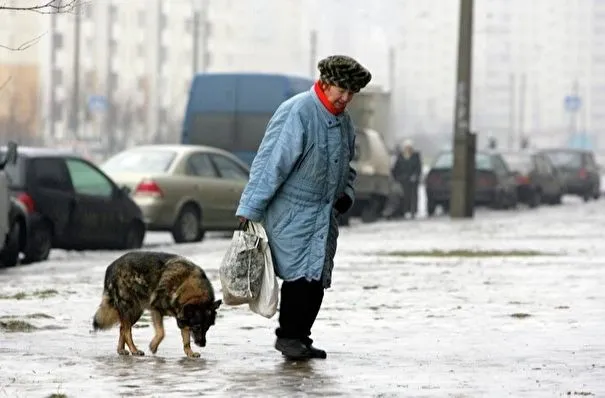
<point>511,303</point>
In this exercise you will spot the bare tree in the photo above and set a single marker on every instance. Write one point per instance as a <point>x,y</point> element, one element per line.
<point>39,7</point>
<point>45,6</point>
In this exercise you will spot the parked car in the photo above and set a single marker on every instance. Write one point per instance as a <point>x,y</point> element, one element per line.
<point>537,179</point>
<point>495,184</point>
<point>72,204</point>
<point>579,171</point>
<point>13,216</point>
<point>184,189</point>
<point>373,185</point>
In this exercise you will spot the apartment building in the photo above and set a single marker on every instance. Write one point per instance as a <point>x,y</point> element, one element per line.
<point>20,75</point>
<point>130,63</point>
<point>135,60</point>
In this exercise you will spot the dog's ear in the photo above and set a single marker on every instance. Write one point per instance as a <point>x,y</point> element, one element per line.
<point>217,304</point>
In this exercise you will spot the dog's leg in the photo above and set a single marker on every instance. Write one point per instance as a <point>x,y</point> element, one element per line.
<point>158,325</point>
<point>187,344</point>
<point>128,336</point>
<point>122,340</point>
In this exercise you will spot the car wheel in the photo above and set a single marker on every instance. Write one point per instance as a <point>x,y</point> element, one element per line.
<point>40,244</point>
<point>134,237</point>
<point>9,256</point>
<point>188,226</point>
<point>535,199</point>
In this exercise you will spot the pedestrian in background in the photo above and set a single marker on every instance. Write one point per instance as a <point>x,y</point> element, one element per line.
<point>300,181</point>
<point>407,171</point>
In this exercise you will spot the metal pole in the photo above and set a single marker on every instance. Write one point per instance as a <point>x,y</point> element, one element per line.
<point>312,53</point>
<point>392,66</point>
<point>196,38</point>
<point>53,69</point>
<point>158,74</point>
<point>511,111</point>
<point>205,35</point>
<point>522,92</point>
<point>573,127</point>
<point>461,199</point>
<point>75,98</point>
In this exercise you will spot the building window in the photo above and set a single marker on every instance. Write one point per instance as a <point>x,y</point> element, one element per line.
<point>58,41</point>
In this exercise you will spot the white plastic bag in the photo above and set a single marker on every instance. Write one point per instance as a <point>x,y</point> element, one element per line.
<point>265,303</point>
<point>241,271</point>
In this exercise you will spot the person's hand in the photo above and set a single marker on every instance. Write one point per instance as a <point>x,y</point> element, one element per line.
<point>343,204</point>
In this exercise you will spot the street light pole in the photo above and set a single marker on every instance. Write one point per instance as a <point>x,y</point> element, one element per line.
<point>196,36</point>
<point>463,171</point>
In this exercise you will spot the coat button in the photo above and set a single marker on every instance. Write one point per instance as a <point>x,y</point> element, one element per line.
<point>336,161</point>
<point>327,201</point>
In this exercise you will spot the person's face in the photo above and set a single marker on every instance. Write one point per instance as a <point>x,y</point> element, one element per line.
<point>339,97</point>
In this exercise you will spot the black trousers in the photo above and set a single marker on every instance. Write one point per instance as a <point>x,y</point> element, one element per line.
<point>410,197</point>
<point>300,303</point>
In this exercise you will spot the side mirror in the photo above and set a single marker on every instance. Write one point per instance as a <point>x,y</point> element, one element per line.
<point>11,153</point>
<point>125,190</point>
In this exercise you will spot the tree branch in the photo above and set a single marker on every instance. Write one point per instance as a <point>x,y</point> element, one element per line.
<point>46,7</point>
<point>25,45</point>
<point>5,83</point>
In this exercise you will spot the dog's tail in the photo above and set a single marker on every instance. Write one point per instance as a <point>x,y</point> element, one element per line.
<point>106,316</point>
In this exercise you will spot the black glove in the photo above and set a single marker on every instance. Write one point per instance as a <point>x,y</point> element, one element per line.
<point>343,204</point>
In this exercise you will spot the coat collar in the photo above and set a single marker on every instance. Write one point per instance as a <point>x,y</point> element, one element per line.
<point>329,119</point>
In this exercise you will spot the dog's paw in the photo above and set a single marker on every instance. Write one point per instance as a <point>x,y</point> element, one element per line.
<point>193,354</point>
<point>138,353</point>
<point>153,347</point>
<point>123,352</point>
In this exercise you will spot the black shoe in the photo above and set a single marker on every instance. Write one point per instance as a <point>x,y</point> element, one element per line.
<point>314,352</point>
<point>292,348</point>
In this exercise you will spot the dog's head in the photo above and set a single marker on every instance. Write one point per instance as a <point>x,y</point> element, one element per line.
<point>198,317</point>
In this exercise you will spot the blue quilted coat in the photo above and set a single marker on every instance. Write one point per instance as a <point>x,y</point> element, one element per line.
<point>302,167</point>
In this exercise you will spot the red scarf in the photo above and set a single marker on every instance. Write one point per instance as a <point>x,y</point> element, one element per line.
<point>324,100</point>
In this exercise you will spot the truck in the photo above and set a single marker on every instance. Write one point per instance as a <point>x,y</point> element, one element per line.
<point>230,111</point>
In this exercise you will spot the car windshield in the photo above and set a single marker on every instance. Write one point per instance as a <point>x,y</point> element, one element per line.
<point>517,162</point>
<point>140,161</point>
<point>565,159</point>
<point>446,161</point>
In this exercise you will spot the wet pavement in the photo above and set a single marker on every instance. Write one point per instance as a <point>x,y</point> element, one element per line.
<point>428,325</point>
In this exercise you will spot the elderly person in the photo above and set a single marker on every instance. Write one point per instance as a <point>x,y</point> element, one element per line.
<point>300,181</point>
<point>407,171</point>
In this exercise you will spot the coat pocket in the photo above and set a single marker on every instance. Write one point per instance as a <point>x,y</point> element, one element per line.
<point>282,220</point>
<point>305,156</point>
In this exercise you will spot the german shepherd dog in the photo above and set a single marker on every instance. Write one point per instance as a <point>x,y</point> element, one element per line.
<point>166,285</point>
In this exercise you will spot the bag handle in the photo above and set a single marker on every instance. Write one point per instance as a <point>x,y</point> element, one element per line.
<point>247,226</point>
<point>243,226</point>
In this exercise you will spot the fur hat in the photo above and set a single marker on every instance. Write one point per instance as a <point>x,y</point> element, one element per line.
<point>344,72</point>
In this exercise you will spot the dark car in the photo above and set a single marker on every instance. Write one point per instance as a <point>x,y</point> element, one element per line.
<point>537,179</point>
<point>578,170</point>
<point>494,183</point>
<point>72,204</point>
